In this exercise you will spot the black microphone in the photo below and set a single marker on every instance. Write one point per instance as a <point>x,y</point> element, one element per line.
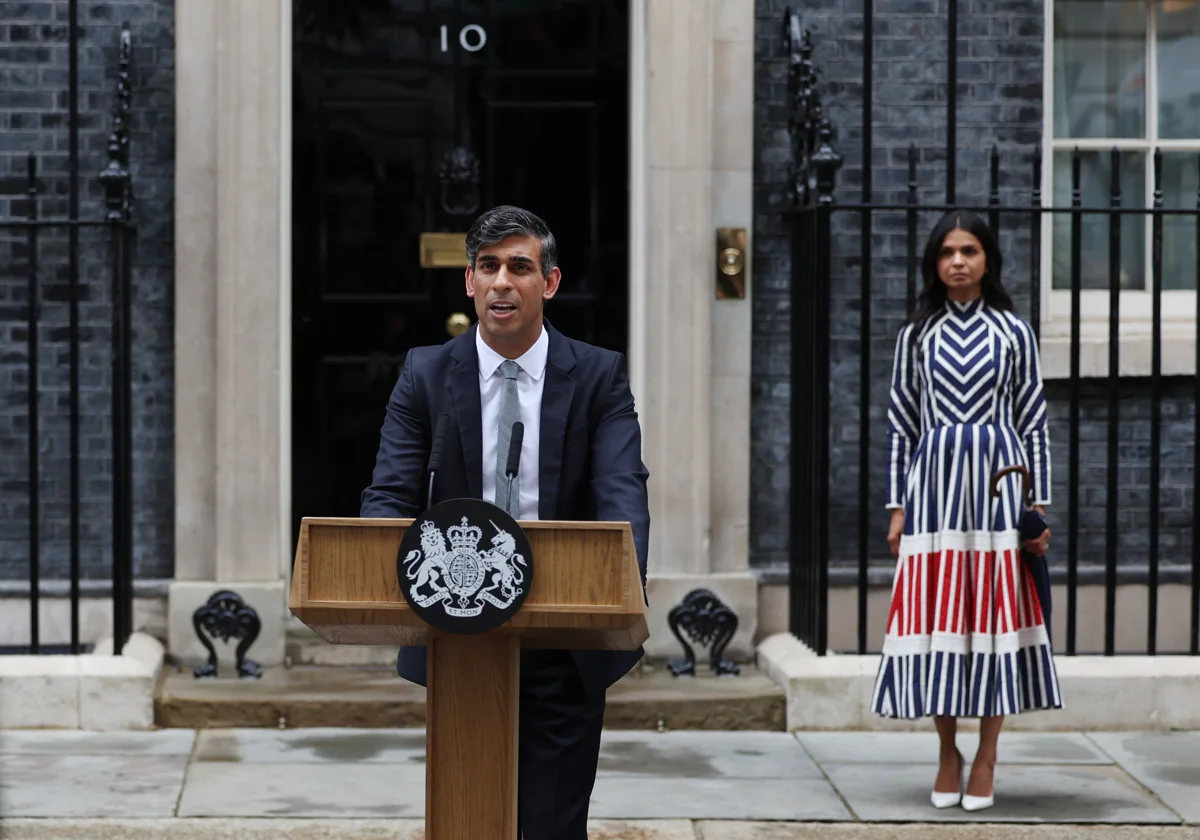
<point>435,452</point>
<point>514,450</point>
<point>514,454</point>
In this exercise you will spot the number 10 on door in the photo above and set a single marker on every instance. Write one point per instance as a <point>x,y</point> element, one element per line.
<point>471,37</point>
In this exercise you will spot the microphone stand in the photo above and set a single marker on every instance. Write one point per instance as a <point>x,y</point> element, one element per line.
<point>435,454</point>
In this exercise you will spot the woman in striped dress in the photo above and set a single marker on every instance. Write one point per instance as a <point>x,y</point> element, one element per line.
<point>965,633</point>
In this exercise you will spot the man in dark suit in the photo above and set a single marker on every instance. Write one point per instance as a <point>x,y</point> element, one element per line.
<point>580,460</point>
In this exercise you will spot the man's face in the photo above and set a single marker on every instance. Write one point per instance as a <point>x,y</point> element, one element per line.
<point>509,292</point>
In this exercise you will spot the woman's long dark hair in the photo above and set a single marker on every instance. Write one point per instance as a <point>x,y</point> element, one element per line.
<point>932,299</point>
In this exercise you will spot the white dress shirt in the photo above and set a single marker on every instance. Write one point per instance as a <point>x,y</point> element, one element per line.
<point>530,380</point>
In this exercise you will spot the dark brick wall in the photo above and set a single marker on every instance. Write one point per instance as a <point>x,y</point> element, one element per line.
<point>33,118</point>
<point>1133,470</point>
<point>999,102</point>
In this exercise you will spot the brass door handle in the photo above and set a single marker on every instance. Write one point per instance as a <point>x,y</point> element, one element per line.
<point>457,324</point>
<point>732,262</point>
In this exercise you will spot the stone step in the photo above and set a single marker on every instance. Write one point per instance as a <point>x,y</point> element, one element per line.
<point>372,696</point>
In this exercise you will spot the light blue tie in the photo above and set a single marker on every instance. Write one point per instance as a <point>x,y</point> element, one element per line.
<point>510,412</point>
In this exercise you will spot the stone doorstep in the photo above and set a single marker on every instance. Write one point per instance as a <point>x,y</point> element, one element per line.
<point>96,691</point>
<point>372,697</point>
<point>1100,693</point>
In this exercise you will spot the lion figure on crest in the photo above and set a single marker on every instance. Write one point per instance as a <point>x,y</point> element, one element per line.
<point>429,569</point>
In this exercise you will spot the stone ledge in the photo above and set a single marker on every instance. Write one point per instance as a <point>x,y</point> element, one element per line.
<point>96,691</point>
<point>833,692</point>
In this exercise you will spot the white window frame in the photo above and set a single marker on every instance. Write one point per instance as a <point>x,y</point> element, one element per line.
<point>1136,325</point>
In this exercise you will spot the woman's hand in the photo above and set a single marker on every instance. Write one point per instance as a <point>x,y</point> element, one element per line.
<point>1041,545</point>
<point>895,529</point>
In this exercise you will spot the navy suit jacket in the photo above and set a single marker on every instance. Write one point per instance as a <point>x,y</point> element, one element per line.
<point>589,455</point>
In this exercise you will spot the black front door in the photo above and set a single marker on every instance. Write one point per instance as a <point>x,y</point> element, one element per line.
<point>410,117</point>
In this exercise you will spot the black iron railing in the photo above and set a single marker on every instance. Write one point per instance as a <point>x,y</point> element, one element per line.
<point>26,233</point>
<point>823,258</point>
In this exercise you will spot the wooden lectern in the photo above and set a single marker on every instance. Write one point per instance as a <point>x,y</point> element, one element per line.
<point>586,594</point>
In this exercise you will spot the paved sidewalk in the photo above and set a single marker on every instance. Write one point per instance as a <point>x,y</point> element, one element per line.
<point>360,783</point>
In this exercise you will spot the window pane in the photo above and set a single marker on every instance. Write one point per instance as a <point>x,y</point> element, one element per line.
<point>1181,180</point>
<point>1095,169</point>
<point>1178,24</point>
<point>1100,68</point>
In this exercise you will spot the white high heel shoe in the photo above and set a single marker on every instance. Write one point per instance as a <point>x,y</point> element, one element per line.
<point>971,803</point>
<point>949,800</point>
<point>979,803</point>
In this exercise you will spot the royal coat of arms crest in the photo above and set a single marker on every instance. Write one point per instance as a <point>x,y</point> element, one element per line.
<point>460,576</point>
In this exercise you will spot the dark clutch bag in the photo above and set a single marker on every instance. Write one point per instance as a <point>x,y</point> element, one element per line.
<point>1031,526</point>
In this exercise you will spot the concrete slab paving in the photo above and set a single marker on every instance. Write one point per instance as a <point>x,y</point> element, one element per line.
<point>83,742</point>
<point>643,798</point>
<point>1167,764</point>
<point>271,829</point>
<point>641,830</point>
<point>213,829</point>
<point>312,746</point>
<point>700,755</point>
<point>1024,793</point>
<point>216,789</point>
<point>222,829</point>
<point>90,785</point>
<point>731,830</point>
<point>764,785</point>
<point>922,747</point>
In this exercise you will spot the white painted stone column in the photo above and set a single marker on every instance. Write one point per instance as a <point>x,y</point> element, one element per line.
<point>233,306</point>
<point>693,157</point>
<point>195,289</point>
<point>733,206</point>
<point>678,302</point>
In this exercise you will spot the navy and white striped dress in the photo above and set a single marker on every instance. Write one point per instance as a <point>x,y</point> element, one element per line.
<point>965,632</point>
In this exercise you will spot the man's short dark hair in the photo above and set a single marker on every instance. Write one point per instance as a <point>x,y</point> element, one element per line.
<point>504,221</point>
